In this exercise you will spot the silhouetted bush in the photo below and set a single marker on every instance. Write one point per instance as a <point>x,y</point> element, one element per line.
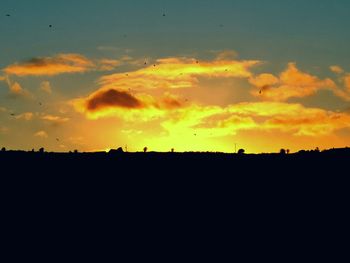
<point>3,149</point>
<point>145,149</point>
<point>172,150</point>
<point>41,150</point>
<point>76,151</point>
<point>241,151</point>
<point>282,151</point>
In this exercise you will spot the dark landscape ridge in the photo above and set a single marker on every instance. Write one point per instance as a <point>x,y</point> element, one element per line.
<point>173,195</point>
<point>165,163</point>
<point>120,152</point>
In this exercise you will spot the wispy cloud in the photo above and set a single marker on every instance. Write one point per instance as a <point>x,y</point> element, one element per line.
<point>41,134</point>
<point>61,64</point>
<point>16,90</point>
<point>108,64</point>
<point>54,119</point>
<point>50,66</point>
<point>336,69</point>
<point>45,86</point>
<point>347,82</point>
<point>27,116</point>
<point>172,73</point>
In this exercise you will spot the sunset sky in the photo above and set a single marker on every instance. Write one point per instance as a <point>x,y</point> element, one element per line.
<point>190,75</point>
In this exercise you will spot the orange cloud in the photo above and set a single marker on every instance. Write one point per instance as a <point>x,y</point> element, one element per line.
<point>226,54</point>
<point>347,82</point>
<point>127,90</point>
<point>264,79</point>
<point>45,86</point>
<point>28,116</point>
<point>54,119</point>
<point>108,64</point>
<point>292,83</point>
<point>17,90</point>
<point>344,93</point>
<point>295,118</point>
<point>112,102</point>
<point>169,101</point>
<point>41,134</point>
<point>112,98</point>
<point>265,116</point>
<point>336,69</point>
<point>186,121</point>
<point>50,66</point>
<point>172,73</point>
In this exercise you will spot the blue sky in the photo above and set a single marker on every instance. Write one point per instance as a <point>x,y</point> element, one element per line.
<point>271,29</point>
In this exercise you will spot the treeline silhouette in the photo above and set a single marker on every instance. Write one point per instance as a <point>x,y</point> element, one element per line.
<point>180,163</point>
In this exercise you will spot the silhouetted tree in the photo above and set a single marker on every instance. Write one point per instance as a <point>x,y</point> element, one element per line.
<point>288,151</point>
<point>76,151</point>
<point>317,150</point>
<point>282,151</point>
<point>3,149</point>
<point>172,150</point>
<point>145,149</point>
<point>241,151</point>
<point>41,150</point>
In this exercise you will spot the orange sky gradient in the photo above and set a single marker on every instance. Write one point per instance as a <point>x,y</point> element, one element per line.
<point>214,76</point>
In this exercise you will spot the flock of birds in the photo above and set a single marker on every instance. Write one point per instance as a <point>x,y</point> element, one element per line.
<point>145,63</point>
<point>8,15</point>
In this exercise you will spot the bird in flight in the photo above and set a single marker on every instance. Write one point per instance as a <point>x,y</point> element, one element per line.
<point>264,88</point>
<point>163,14</point>
<point>8,15</point>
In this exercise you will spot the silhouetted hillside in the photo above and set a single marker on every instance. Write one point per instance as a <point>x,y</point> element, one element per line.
<point>177,197</point>
<point>119,163</point>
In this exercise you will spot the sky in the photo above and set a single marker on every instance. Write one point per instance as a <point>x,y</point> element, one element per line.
<point>190,75</point>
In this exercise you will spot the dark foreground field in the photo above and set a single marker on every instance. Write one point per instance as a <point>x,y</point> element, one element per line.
<point>166,205</point>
